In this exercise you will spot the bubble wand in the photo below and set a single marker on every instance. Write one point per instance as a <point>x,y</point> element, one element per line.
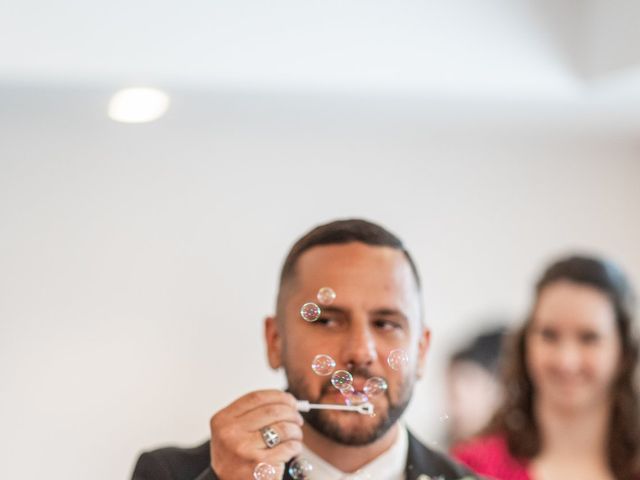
<point>363,409</point>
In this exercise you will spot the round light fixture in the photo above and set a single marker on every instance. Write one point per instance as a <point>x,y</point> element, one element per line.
<point>138,105</point>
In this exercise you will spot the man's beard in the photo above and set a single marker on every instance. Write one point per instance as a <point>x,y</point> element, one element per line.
<point>322,421</point>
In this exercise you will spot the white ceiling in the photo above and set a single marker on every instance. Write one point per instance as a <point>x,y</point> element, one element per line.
<point>504,48</point>
<point>568,63</point>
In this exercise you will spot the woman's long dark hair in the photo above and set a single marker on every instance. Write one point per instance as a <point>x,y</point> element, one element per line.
<point>516,418</point>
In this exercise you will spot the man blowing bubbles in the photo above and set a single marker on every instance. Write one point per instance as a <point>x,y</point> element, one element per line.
<point>377,310</point>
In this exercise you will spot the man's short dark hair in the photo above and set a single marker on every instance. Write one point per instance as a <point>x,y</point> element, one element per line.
<point>340,232</point>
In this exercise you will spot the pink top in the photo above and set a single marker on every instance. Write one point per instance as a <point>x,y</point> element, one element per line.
<point>489,456</point>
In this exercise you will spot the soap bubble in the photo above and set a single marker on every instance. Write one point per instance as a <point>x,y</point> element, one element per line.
<point>300,468</point>
<point>326,296</point>
<point>355,398</point>
<point>341,379</point>
<point>375,386</point>
<point>310,312</point>
<point>264,471</point>
<point>323,364</point>
<point>398,359</point>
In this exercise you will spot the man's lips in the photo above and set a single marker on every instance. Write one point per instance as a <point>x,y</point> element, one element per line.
<point>358,383</point>
<point>336,397</point>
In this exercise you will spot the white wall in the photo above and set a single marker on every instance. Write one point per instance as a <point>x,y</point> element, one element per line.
<point>138,261</point>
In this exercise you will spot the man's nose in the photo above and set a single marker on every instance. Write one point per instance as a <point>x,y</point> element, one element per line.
<point>359,347</point>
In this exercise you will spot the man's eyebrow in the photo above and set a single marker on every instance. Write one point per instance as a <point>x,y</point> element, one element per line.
<point>332,309</point>
<point>389,312</point>
<point>384,312</point>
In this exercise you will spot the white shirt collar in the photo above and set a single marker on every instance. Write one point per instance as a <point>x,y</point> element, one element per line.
<point>390,465</point>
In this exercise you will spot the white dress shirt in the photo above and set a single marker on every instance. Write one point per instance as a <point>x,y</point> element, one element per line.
<point>390,465</point>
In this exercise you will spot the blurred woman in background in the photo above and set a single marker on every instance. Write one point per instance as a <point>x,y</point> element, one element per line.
<point>571,403</point>
<point>473,386</point>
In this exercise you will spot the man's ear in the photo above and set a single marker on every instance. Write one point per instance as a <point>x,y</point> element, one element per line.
<point>423,348</point>
<point>274,342</point>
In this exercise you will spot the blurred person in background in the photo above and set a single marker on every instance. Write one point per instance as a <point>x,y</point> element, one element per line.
<point>571,402</point>
<point>474,391</point>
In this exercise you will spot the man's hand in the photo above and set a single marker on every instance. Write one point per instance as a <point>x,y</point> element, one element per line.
<point>236,442</point>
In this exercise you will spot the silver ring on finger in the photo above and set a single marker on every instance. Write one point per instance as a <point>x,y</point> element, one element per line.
<point>270,437</point>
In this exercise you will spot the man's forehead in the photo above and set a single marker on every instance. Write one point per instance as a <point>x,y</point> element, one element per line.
<point>364,276</point>
<point>354,261</point>
<point>350,254</point>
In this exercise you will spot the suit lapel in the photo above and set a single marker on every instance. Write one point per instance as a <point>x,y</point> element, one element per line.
<point>417,461</point>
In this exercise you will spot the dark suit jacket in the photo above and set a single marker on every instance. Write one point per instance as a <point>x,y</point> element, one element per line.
<point>194,464</point>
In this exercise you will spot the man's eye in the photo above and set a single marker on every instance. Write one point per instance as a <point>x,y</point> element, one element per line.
<point>325,321</point>
<point>385,324</point>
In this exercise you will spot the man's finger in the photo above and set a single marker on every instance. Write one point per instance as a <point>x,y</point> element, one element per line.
<point>255,399</point>
<point>266,415</point>
<point>283,452</point>
<point>285,432</point>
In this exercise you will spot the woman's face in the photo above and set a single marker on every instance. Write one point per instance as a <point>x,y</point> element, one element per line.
<point>573,346</point>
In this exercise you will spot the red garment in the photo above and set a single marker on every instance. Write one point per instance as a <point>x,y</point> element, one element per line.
<point>489,456</point>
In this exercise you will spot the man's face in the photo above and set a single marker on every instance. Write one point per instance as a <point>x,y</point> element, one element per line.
<point>376,310</point>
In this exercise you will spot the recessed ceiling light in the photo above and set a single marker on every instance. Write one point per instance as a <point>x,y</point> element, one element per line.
<point>138,105</point>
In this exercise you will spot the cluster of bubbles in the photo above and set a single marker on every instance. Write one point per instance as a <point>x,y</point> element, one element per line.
<point>342,380</point>
<point>323,365</point>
